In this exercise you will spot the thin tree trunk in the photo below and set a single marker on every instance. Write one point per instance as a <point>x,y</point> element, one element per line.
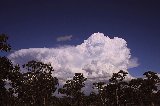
<point>117,99</point>
<point>44,101</point>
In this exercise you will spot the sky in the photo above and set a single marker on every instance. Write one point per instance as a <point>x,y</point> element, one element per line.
<point>53,23</point>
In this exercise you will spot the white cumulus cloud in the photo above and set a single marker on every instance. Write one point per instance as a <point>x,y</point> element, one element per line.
<point>97,57</point>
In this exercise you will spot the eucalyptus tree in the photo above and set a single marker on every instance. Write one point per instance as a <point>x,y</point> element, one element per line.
<point>101,97</point>
<point>135,91</point>
<point>150,87</point>
<point>73,89</point>
<point>144,90</point>
<point>4,46</point>
<point>111,94</point>
<point>6,67</point>
<point>8,75</point>
<point>118,85</point>
<point>37,85</point>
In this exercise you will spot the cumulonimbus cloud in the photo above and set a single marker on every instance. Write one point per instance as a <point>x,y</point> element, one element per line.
<point>64,38</point>
<point>97,57</point>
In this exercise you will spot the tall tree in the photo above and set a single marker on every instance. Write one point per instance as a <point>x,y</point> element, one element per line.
<point>101,97</point>
<point>4,46</point>
<point>150,86</point>
<point>73,89</point>
<point>135,91</point>
<point>6,68</point>
<point>112,94</point>
<point>117,83</point>
<point>37,84</point>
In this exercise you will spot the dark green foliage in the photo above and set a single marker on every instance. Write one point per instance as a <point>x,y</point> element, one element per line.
<point>112,94</point>
<point>73,89</point>
<point>117,77</point>
<point>4,46</point>
<point>5,73</point>
<point>149,87</point>
<point>37,85</point>
<point>102,94</point>
<point>6,68</point>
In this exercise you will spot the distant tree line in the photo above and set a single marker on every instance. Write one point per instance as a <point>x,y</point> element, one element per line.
<point>37,86</point>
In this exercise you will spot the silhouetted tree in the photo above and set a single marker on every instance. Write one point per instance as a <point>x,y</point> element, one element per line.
<point>113,93</point>
<point>101,97</point>
<point>150,87</point>
<point>4,46</point>
<point>37,85</point>
<point>73,89</point>
<point>135,91</point>
<point>6,68</point>
<point>117,84</point>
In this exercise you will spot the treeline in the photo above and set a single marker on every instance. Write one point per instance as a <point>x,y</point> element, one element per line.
<point>37,87</point>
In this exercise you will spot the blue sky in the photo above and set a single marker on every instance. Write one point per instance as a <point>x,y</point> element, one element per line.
<point>38,23</point>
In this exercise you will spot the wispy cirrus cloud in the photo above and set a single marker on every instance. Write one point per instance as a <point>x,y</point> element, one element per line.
<point>64,38</point>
